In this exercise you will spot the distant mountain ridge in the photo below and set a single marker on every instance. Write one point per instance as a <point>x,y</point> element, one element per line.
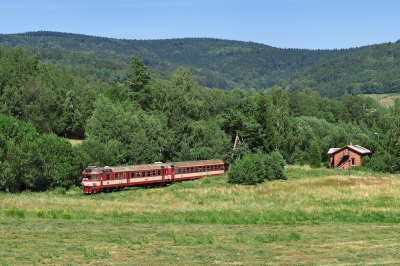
<point>224,64</point>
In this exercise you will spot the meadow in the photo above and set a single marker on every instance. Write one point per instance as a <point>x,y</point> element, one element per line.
<point>385,99</point>
<point>316,217</point>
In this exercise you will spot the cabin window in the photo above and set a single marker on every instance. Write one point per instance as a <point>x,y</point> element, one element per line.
<point>353,161</point>
<point>94,177</point>
<point>107,176</point>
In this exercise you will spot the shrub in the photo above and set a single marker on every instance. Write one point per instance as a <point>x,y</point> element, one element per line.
<point>60,190</point>
<point>275,166</point>
<point>254,168</point>
<point>248,171</point>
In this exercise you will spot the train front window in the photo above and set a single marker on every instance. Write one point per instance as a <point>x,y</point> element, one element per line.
<point>92,177</point>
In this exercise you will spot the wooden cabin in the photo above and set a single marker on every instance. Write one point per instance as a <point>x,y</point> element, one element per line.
<point>347,156</point>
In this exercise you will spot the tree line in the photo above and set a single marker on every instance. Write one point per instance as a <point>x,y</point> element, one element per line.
<point>145,120</point>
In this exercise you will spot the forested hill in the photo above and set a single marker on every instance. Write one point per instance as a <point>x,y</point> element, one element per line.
<point>216,63</point>
<point>373,69</point>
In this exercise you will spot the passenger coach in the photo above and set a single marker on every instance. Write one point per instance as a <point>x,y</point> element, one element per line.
<point>107,178</point>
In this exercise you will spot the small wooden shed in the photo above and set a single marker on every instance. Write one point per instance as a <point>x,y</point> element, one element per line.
<point>347,156</point>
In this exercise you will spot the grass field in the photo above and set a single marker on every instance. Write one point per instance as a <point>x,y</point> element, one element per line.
<point>316,217</point>
<point>385,99</point>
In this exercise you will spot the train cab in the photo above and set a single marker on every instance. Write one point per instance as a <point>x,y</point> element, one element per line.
<point>91,180</point>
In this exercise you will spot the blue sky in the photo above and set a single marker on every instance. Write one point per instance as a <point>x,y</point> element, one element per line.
<point>311,24</point>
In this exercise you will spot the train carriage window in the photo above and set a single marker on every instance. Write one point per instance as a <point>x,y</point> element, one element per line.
<point>116,176</point>
<point>143,173</point>
<point>137,174</point>
<point>108,176</point>
<point>132,174</point>
<point>208,168</point>
<point>200,169</point>
<point>159,172</point>
<point>148,173</point>
<point>154,172</point>
<point>192,170</point>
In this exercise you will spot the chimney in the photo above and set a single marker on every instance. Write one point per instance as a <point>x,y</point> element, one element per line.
<point>351,143</point>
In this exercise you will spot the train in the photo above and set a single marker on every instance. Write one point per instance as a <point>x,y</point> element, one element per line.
<point>98,179</point>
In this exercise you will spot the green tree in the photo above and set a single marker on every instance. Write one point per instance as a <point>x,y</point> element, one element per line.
<point>264,117</point>
<point>61,164</point>
<point>140,84</point>
<point>249,170</point>
<point>20,156</point>
<point>315,156</point>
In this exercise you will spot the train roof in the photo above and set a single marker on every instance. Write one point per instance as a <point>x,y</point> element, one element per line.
<point>198,163</point>
<point>138,167</point>
<point>153,166</point>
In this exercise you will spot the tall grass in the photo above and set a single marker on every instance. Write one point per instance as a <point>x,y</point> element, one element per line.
<point>308,196</point>
<point>316,217</point>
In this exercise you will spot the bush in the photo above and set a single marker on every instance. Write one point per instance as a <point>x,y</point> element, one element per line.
<point>60,190</point>
<point>275,166</point>
<point>248,171</point>
<point>254,168</point>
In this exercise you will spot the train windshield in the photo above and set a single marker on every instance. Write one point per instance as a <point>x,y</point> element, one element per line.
<point>92,177</point>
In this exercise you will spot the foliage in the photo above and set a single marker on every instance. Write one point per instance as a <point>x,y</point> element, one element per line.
<point>256,167</point>
<point>315,157</point>
<point>30,161</point>
<point>216,63</point>
<point>248,171</point>
<point>175,119</point>
<point>371,69</point>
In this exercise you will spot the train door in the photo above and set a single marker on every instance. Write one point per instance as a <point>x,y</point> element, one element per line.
<point>162,172</point>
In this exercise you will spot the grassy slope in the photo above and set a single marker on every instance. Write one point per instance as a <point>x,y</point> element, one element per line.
<point>315,217</point>
<point>385,99</point>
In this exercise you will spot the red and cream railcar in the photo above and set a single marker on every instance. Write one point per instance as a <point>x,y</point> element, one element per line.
<point>105,178</point>
<point>197,169</point>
